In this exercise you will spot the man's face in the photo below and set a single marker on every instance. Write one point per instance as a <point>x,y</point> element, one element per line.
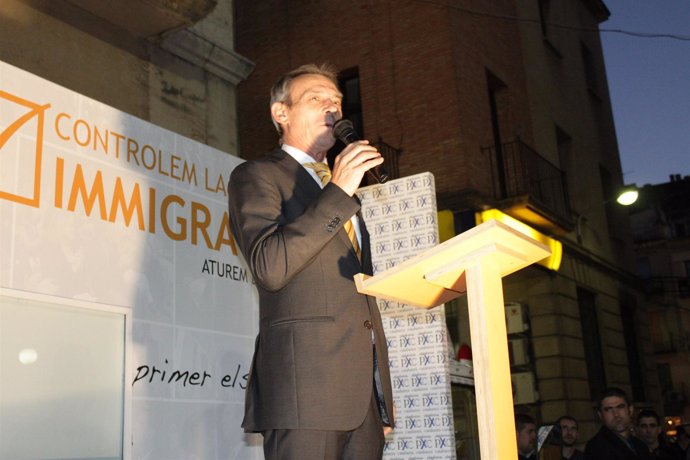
<point>527,438</point>
<point>308,116</point>
<point>616,415</point>
<point>648,430</point>
<point>568,432</point>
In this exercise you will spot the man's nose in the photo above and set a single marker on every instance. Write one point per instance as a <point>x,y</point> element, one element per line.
<point>331,106</point>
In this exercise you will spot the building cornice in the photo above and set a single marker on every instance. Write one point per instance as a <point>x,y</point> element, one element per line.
<point>203,53</point>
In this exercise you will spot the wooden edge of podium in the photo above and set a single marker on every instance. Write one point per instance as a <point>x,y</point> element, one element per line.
<point>360,278</point>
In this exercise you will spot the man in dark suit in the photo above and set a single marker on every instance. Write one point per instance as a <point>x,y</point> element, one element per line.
<point>319,387</point>
<point>615,441</point>
<point>649,431</point>
<point>526,432</point>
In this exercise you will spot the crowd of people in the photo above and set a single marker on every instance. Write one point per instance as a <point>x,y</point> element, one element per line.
<point>622,436</point>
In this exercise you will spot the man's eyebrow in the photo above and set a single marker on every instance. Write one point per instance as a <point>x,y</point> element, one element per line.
<point>319,90</point>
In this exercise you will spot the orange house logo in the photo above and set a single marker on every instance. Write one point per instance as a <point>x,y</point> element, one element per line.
<point>21,147</point>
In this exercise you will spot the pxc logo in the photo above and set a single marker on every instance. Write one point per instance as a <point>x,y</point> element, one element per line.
<point>419,380</point>
<point>411,402</point>
<point>400,382</point>
<point>413,184</point>
<point>424,201</point>
<point>437,421</point>
<point>21,125</point>
<point>372,212</point>
<point>405,444</point>
<point>424,443</point>
<point>385,305</point>
<point>433,400</point>
<point>394,323</point>
<point>442,442</point>
<point>412,423</point>
<point>394,188</point>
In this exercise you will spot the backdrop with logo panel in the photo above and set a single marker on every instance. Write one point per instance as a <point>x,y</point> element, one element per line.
<point>99,206</point>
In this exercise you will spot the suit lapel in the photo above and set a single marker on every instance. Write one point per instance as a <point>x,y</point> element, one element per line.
<point>307,190</point>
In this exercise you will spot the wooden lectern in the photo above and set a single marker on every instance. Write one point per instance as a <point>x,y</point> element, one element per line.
<point>473,262</point>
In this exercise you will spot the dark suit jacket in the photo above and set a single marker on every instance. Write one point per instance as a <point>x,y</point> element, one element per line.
<point>606,445</point>
<point>313,361</point>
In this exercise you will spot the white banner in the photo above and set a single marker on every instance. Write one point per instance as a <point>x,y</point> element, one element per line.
<point>99,206</point>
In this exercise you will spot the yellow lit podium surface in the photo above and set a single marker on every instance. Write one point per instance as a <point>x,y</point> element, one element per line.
<point>437,275</point>
<point>473,262</point>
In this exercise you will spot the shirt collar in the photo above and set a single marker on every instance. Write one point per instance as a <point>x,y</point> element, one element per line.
<point>299,156</point>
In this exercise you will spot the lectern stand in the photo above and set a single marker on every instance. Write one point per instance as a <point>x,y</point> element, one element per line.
<point>473,262</point>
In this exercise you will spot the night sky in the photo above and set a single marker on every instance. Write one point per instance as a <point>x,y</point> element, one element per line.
<point>649,81</point>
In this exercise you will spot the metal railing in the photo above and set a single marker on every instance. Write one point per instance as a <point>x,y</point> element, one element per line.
<point>518,170</point>
<point>668,285</point>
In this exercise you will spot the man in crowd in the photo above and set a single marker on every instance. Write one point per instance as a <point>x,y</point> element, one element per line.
<point>649,431</point>
<point>319,386</point>
<point>614,441</point>
<point>569,427</point>
<point>526,432</point>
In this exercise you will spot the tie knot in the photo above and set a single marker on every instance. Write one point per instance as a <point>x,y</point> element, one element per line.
<point>322,170</point>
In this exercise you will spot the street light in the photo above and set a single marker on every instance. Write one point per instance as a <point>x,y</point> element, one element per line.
<point>626,196</point>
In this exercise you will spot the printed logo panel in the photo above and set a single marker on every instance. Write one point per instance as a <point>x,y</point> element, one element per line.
<point>402,220</point>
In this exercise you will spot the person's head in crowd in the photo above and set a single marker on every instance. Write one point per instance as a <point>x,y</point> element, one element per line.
<point>615,411</point>
<point>569,427</point>
<point>649,428</point>
<point>526,432</point>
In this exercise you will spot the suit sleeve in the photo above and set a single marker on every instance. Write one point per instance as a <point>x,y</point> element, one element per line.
<point>276,245</point>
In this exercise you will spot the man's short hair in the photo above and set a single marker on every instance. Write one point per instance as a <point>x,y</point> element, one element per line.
<point>612,391</point>
<point>521,420</point>
<point>567,417</point>
<point>648,413</point>
<point>280,91</point>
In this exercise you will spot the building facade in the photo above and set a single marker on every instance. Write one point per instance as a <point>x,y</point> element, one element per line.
<point>507,104</point>
<point>171,63</point>
<point>660,223</point>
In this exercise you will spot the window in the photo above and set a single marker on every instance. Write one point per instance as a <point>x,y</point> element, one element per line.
<point>352,99</point>
<point>591,339</point>
<point>549,17</point>
<point>590,69</point>
<point>544,10</point>
<point>499,109</point>
<point>644,268</point>
<point>615,214</point>
<point>348,83</point>
<point>665,377</point>
<point>681,229</point>
<point>632,349</point>
<point>564,144</point>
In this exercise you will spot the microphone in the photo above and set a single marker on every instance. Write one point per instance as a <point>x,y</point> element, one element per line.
<point>345,132</point>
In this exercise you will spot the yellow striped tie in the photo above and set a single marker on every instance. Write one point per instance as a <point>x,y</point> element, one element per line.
<point>324,172</point>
